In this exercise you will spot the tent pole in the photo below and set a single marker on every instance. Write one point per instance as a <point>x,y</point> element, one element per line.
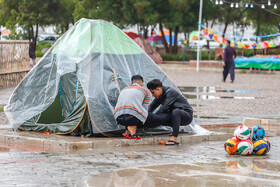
<point>199,27</point>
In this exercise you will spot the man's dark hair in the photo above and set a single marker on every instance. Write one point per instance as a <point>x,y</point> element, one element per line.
<point>137,78</point>
<point>228,42</point>
<point>153,84</point>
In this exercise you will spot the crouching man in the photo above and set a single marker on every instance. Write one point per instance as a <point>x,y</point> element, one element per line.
<point>132,107</point>
<point>174,111</point>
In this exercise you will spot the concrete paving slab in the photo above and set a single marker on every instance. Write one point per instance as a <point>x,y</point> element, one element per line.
<point>251,122</point>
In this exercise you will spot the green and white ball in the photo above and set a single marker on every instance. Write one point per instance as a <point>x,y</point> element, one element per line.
<point>242,133</point>
<point>245,147</point>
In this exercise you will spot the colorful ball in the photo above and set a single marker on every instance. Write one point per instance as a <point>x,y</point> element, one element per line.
<point>251,133</point>
<point>245,147</point>
<point>242,132</point>
<point>258,133</point>
<point>231,145</point>
<point>261,147</point>
<point>268,143</point>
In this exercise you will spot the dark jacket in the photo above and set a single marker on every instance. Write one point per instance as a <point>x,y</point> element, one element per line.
<point>229,53</point>
<point>32,52</point>
<point>170,99</point>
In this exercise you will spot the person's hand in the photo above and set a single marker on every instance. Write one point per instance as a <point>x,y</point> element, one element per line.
<point>223,63</point>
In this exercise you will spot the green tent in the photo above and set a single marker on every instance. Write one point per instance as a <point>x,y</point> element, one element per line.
<point>74,87</point>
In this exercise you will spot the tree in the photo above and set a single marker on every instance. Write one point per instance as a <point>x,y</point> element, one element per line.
<point>108,10</point>
<point>169,14</point>
<point>29,15</point>
<point>140,13</point>
<point>66,18</point>
<point>265,22</point>
<point>122,13</point>
<point>230,15</point>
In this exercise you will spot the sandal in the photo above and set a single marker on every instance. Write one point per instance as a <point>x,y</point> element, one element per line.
<point>134,137</point>
<point>125,135</point>
<point>171,142</point>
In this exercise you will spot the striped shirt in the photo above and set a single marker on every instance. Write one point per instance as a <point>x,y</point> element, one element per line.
<point>133,100</point>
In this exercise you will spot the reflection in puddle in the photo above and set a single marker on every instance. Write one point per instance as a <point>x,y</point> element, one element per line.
<point>196,105</point>
<point>212,90</point>
<point>212,117</point>
<point>189,96</point>
<point>4,149</point>
<point>235,172</point>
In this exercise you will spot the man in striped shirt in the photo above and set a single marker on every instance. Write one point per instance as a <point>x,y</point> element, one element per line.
<point>132,107</point>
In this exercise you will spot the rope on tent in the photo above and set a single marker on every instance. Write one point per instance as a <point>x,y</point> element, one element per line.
<point>150,134</point>
<point>116,79</point>
<point>60,98</point>
<point>75,96</point>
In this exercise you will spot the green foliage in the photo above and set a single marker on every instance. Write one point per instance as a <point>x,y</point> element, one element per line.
<point>29,15</point>
<point>1,108</point>
<point>40,46</point>
<point>176,15</point>
<point>265,22</point>
<point>242,71</point>
<point>66,17</point>
<point>248,52</point>
<point>266,29</point>
<point>274,51</point>
<point>171,57</point>
<point>39,53</point>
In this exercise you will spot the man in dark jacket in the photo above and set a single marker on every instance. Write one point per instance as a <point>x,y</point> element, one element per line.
<point>228,63</point>
<point>174,111</point>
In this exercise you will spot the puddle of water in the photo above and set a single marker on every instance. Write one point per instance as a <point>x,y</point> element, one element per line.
<point>196,105</point>
<point>212,90</point>
<point>252,172</point>
<point>198,89</point>
<point>210,117</point>
<point>205,97</point>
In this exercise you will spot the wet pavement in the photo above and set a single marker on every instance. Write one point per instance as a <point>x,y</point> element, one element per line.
<point>204,164</point>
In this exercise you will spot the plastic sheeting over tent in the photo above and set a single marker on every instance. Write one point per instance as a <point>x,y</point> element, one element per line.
<point>75,86</point>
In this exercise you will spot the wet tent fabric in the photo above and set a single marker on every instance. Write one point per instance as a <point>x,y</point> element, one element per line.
<point>75,86</point>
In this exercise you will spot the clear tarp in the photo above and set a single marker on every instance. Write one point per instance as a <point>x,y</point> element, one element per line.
<point>90,64</point>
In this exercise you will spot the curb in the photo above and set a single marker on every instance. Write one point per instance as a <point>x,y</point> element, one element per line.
<point>59,142</point>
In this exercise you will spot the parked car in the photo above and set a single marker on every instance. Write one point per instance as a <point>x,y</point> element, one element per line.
<point>248,40</point>
<point>51,38</point>
<point>41,38</point>
<point>203,43</point>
